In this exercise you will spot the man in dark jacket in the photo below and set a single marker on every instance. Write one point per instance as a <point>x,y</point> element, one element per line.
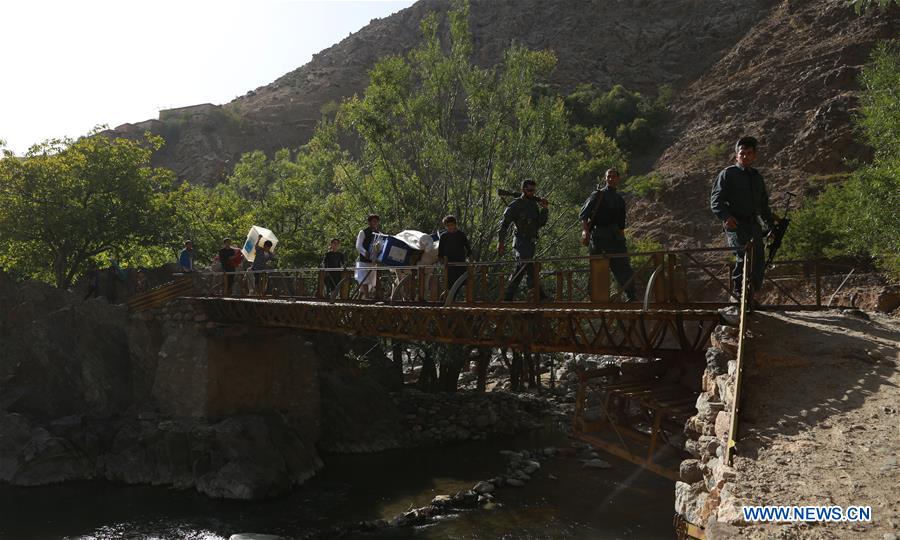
<point>528,214</point>
<point>603,223</point>
<point>739,199</point>
<point>453,247</point>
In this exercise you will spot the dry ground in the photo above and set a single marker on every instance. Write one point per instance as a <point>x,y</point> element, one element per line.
<point>821,420</point>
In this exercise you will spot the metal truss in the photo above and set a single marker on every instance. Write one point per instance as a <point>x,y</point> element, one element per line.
<point>629,332</point>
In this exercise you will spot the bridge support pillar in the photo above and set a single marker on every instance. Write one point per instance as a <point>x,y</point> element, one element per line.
<point>228,370</point>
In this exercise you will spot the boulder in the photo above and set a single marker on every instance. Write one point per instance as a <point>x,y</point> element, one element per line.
<point>690,500</point>
<point>689,471</point>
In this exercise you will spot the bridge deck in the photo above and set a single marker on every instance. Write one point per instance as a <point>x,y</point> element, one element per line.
<point>545,328</point>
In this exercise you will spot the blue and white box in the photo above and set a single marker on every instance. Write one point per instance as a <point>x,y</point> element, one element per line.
<point>394,252</point>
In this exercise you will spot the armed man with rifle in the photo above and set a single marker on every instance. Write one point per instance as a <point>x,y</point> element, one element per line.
<point>603,222</point>
<point>528,213</point>
<point>740,200</point>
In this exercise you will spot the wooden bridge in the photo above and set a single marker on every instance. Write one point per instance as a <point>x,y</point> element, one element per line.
<point>683,291</point>
<point>586,313</point>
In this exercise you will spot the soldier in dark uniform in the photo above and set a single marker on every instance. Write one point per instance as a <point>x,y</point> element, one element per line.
<point>529,214</point>
<point>739,199</point>
<point>603,221</point>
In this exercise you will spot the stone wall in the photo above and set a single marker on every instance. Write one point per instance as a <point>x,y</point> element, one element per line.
<point>703,494</point>
<point>206,370</point>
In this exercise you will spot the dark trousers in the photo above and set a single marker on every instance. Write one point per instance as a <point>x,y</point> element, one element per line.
<point>607,241</point>
<point>738,239</point>
<point>332,278</point>
<point>229,280</point>
<point>454,273</point>
<point>524,249</point>
<point>261,280</point>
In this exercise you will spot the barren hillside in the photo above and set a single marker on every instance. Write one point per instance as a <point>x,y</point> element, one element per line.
<point>783,70</point>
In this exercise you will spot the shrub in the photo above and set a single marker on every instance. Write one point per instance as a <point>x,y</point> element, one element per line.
<point>648,185</point>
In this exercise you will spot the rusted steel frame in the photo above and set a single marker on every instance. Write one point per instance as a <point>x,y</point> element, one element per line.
<point>346,319</point>
<point>703,334</point>
<point>610,255</point>
<point>587,311</point>
<point>784,292</point>
<point>703,267</point>
<point>625,454</point>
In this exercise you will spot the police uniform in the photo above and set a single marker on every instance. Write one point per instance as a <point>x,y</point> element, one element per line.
<point>528,217</point>
<point>740,193</point>
<point>607,236</point>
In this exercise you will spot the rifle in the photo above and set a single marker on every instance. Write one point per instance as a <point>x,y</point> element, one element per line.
<point>516,194</point>
<point>776,235</point>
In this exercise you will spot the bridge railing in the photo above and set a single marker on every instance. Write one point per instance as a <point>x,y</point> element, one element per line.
<point>674,277</point>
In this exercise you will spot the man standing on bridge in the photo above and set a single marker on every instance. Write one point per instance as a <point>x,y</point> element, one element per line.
<point>365,266</point>
<point>739,199</point>
<point>529,214</point>
<point>603,223</point>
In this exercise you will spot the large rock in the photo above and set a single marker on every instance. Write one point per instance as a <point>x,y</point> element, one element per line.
<point>61,356</point>
<point>241,457</point>
<point>690,500</point>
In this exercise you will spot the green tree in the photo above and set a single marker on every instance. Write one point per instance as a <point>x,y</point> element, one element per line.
<point>865,5</point>
<point>66,203</point>
<point>439,134</point>
<point>860,215</point>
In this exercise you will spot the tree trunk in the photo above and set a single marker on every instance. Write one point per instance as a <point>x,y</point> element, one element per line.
<point>515,372</point>
<point>452,359</point>
<point>484,358</point>
<point>428,375</point>
<point>397,363</point>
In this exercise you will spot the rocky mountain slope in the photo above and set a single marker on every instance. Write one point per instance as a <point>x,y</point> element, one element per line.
<point>784,70</point>
<point>792,82</point>
<point>640,44</point>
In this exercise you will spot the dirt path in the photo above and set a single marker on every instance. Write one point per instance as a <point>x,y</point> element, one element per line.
<point>821,421</point>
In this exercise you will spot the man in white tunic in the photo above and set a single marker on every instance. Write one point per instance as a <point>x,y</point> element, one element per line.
<point>365,265</point>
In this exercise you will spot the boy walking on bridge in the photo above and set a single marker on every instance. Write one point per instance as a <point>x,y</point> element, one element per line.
<point>740,200</point>
<point>453,247</point>
<point>333,260</point>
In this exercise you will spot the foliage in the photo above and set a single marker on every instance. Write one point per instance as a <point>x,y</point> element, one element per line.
<point>859,216</point>
<point>629,117</point>
<point>608,127</point>
<point>865,5</point>
<point>717,151</point>
<point>432,134</point>
<point>602,153</point>
<point>648,185</point>
<point>67,203</point>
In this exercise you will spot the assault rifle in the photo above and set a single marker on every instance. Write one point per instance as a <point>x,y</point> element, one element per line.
<point>516,194</point>
<point>776,235</point>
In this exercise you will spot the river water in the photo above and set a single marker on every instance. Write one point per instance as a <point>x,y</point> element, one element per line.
<point>621,502</point>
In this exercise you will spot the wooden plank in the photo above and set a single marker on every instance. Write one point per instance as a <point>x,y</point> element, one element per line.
<point>735,405</point>
<point>599,279</point>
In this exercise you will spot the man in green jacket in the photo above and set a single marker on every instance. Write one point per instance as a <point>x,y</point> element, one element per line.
<point>528,214</point>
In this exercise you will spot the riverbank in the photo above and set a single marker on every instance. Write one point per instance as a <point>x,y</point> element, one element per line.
<point>563,499</point>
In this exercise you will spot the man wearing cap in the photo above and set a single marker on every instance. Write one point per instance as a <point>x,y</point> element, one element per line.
<point>528,214</point>
<point>603,222</point>
<point>186,257</point>
<point>740,200</point>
